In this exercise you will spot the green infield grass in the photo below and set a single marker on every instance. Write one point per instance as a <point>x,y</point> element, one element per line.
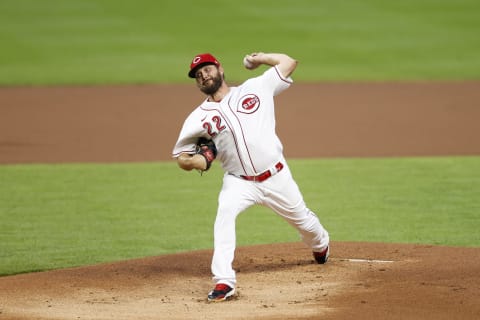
<point>55,216</point>
<point>146,41</point>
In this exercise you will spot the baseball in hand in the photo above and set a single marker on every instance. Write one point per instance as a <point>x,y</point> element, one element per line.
<point>247,63</point>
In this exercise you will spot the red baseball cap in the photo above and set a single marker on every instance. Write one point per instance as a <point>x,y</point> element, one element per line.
<point>199,61</point>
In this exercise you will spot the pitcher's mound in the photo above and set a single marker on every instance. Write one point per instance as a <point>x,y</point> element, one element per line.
<point>279,281</point>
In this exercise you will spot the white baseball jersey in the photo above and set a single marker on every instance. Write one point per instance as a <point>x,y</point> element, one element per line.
<point>242,126</point>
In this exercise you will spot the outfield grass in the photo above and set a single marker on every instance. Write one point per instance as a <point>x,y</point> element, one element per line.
<point>145,41</point>
<point>74,214</point>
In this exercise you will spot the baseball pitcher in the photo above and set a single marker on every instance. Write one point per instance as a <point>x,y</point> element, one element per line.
<point>236,126</point>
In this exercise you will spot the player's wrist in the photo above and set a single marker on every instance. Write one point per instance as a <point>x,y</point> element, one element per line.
<point>265,58</point>
<point>200,162</point>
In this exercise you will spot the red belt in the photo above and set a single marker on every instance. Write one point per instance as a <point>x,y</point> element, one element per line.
<point>264,175</point>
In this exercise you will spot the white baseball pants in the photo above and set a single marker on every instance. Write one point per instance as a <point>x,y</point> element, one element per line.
<point>280,193</point>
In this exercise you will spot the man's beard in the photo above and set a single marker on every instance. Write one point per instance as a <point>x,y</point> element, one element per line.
<point>213,87</point>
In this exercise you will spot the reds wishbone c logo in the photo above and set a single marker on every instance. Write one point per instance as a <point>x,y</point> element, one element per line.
<point>248,104</point>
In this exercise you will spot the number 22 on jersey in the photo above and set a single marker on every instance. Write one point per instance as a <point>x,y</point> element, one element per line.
<point>214,127</point>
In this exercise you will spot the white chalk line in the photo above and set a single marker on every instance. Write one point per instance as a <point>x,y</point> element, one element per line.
<point>368,260</point>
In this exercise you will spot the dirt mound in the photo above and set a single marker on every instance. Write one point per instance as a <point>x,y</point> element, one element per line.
<point>279,281</point>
